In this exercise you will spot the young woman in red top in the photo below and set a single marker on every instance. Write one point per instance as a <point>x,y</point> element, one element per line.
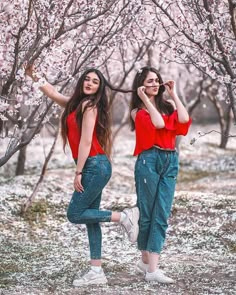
<point>85,124</point>
<point>156,122</point>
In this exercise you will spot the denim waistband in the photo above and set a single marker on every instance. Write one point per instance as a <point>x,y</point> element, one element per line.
<point>94,158</point>
<point>163,149</point>
<point>154,151</point>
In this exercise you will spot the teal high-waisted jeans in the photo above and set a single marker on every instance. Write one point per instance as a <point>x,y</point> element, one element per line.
<point>84,206</point>
<point>155,177</point>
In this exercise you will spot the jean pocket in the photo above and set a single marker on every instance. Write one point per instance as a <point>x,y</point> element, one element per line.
<point>149,157</point>
<point>145,167</point>
<point>172,172</point>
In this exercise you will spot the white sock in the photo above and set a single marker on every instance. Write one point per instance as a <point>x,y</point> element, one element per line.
<point>96,268</point>
<point>122,217</point>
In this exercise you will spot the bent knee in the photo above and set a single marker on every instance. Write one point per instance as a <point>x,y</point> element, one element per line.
<point>74,218</point>
<point>70,217</point>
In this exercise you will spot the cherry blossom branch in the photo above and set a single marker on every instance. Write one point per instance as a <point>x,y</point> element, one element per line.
<point>201,134</point>
<point>186,34</point>
<point>17,144</point>
<point>218,60</point>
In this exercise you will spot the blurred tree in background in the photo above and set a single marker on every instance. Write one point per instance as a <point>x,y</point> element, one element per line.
<point>192,42</point>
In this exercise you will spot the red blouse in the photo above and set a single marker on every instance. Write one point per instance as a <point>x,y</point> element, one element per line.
<point>74,134</point>
<point>147,135</point>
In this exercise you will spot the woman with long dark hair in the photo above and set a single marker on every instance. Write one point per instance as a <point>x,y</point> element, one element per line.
<point>86,125</point>
<point>156,121</point>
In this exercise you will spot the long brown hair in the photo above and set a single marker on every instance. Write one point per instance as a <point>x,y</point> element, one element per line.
<point>162,105</point>
<point>100,100</point>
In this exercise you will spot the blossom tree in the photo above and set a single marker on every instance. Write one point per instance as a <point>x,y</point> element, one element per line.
<point>202,34</point>
<point>129,57</point>
<point>62,38</point>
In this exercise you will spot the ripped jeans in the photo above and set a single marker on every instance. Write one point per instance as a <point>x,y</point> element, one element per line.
<point>84,206</point>
<point>155,178</point>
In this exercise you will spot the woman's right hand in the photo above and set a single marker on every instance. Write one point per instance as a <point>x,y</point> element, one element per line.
<point>141,93</point>
<point>30,71</point>
<point>47,88</point>
<point>77,183</point>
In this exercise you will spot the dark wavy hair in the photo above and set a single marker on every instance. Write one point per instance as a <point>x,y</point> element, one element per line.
<point>162,105</point>
<point>101,100</point>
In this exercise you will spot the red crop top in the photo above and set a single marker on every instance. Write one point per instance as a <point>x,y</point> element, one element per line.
<point>147,135</point>
<point>74,134</point>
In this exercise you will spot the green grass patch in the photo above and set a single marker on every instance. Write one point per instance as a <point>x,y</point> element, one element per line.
<point>232,246</point>
<point>36,212</point>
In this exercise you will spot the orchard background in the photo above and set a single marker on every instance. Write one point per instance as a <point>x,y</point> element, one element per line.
<point>191,42</point>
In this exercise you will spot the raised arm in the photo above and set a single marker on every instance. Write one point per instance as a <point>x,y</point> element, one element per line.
<point>47,89</point>
<point>156,117</point>
<point>183,115</point>
<point>88,124</point>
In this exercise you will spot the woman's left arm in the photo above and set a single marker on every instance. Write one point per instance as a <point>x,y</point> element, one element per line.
<point>88,124</point>
<point>183,115</point>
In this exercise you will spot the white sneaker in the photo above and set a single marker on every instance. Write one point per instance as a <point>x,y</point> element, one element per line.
<point>141,267</point>
<point>91,278</point>
<point>158,276</point>
<point>130,224</point>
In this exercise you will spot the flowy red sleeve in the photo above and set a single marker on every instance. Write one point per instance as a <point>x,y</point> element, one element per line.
<point>145,131</point>
<point>172,123</point>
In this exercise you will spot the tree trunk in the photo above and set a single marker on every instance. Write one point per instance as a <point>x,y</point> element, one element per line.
<point>225,130</point>
<point>150,57</point>
<point>20,167</point>
<point>224,120</point>
<point>29,201</point>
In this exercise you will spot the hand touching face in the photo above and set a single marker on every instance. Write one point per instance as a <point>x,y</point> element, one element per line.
<point>151,84</point>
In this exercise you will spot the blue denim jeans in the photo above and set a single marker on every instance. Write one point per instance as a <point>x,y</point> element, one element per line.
<point>84,206</point>
<point>155,177</point>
